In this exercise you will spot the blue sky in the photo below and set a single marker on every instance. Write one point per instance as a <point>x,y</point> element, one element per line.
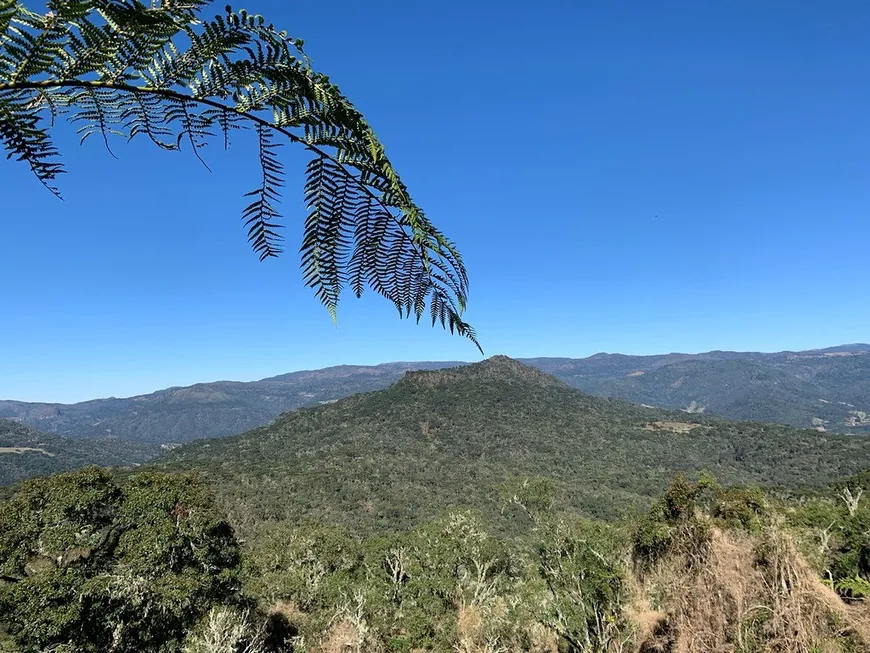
<point>628,177</point>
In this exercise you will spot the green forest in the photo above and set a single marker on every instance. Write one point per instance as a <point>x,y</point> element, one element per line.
<point>454,438</point>
<point>91,561</point>
<point>481,509</point>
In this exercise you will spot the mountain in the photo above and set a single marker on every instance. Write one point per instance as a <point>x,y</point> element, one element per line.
<point>826,389</point>
<point>25,453</point>
<point>204,410</point>
<point>440,439</point>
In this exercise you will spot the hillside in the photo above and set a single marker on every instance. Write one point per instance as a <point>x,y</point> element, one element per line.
<point>204,410</point>
<point>25,453</point>
<point>827,389</point>
<point>436,440</point>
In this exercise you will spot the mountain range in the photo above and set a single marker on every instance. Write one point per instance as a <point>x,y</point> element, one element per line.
<point>470,436</point>
<point>827,389</point>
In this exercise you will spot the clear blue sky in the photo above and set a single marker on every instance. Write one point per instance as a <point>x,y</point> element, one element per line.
<point>634,177</point>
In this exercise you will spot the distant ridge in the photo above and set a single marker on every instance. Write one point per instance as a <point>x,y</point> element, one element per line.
<point>822,388</point>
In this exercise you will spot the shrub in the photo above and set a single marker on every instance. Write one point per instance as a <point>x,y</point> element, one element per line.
<point>581,564</point>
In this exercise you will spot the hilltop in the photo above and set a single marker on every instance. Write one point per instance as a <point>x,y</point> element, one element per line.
<point>437,440</point>
<point>824,389</point>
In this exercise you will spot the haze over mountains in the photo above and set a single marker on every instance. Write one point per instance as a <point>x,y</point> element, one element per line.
<point>824,389</point>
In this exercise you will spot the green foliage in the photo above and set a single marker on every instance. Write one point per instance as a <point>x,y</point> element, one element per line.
<point>308,564</point>
<point>836,532</point>
<point>449,584</point>
<point>94,565</point>
<point>90,563</point>
<point>467,437</point>
<point>582,566</point>
<point>167,72</point>
<point>535,497</point>
<point>433,571</point>
<point>855,587</point>
<point>672,522</point>
<point>406,590</point>
<point>743,508</point>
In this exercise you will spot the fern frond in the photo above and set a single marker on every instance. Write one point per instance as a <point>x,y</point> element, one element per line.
<point>98,109</point>
<point>25,140</point>
<point>332,202</point>
<point>161,70</point>
<point>228,121</point>
<point>193,127</point>
<point>37,41</point>
<point>144,114</point>
<point>261,216</point>
<point>8,9</point>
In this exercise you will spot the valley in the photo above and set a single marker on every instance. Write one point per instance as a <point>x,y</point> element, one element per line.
<point>26,452</point>
<point>481,508</point>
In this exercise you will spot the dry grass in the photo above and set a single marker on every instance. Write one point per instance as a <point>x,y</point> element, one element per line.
<point>674,427</point>
<point>742,595</point>
<point>290,611</point>
<point>340,638</point>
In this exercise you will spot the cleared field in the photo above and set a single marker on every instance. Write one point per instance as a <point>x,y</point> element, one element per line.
<point>21,450</point>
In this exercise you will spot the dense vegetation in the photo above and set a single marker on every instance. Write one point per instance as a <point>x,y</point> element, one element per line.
<point>92,563</point>
<point>487,508</point>
<point>87,564</point>
<point>25,453</point>
<point>806,389</point>
<point>454,438</point>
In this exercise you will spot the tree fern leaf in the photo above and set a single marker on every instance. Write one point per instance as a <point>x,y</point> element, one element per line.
<point>160,70</point>
<point>260,216</point>
<point>143,114</point>
<point>25,140</point>
<point>97,108</point>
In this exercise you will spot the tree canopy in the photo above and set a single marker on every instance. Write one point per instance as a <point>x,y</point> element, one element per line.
<point>87,564</point>
<point>167,72</point>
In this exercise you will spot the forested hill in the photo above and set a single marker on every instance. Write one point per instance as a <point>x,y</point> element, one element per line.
<point>826,389</point>
<point>458,437</point>
<point>25,452</point>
